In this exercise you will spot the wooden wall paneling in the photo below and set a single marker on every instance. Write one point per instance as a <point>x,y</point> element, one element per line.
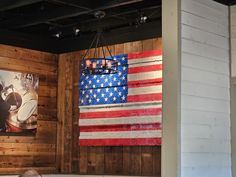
<point>28,54</point>
<point>46,131</point>
<point>83,160</point>
<point>82,153</point>
<point>147,44</point>
<point>157,43</point>
<point>95,160</point>
<point>131,47</point>
<point>28,161</point>
<point>60,113</point>
<point>135,158</point>
<point>157,161</point>
<point>119,49</point>
<point>19,153</point>
<point>65,85</point>
<point>68,113</point>
<point>75,112</point>
<point>147,161</point>
<point>126,160</point>
<point>113,160</point>
<point>22,169</point>
<point>27,149</point>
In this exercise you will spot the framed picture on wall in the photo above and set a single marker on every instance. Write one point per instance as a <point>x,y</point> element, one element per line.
<point>18,103</point>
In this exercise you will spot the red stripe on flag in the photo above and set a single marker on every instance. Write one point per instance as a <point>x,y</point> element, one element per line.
<point>148,68</point>
<point>121,127</point>
<point>122,113</point>
<point>121,142</point>
<point>145,84</point>
<point>145,97</point>
<point>145,54</point>
<point>144,81</point>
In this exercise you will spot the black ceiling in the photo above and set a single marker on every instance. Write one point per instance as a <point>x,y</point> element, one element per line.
<point>35,23</point>
<point>227,2</point>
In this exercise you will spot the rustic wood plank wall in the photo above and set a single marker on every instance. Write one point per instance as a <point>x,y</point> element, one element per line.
<point>54,148</point>
<point>100,160</point>
<point>19,153</point>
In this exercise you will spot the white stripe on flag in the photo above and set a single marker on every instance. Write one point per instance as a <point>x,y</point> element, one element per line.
<point>145,64</point>
<point>124,106</point>
<point>145,90</point>
<point>120,120</point>
<point>147,59</point>
<point>145,76</point>
<point>121,134</point>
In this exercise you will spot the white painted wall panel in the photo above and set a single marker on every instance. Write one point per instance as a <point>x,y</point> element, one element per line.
<point>215,6</point>
<point>204,50</point>
<point>203,24</point>
<point>204,37</point>
<point>196,117</point>
<point>204,77</point>
<point>233,40</point>
<point>205,91</point>
<point>205,98</point>
<point>206,159</point>
<point>208,171</point>
<point>205,64</point>
<point>205,11</point>
<point>204,104</point>
<point>206,146</point>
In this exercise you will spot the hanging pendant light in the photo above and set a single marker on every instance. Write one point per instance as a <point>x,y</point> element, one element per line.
<point>99,65</point>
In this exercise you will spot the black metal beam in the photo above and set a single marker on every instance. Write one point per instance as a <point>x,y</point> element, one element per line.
<point>232,2</point>
<point>21,22</point>
<point>71,3</point>
<point>11,4</point>
<point>126,34</point>
<point>109,22</point>
<point>226,2</point>
<point>121,35</point>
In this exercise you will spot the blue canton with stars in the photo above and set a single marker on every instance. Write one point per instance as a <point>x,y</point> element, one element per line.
<point>106,88</point>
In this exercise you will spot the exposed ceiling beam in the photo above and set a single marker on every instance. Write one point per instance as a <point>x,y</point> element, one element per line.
<point>121,35</point>
<point>107,24</point>
<point>108,21</point>
<point>70,3</point>
<point>232,2</point>
<point>11,4</point>
<point>226,2</point>
<point>21,22</point>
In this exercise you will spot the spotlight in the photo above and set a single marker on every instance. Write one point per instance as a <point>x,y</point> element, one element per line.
<point>143,19</point>
<point>57,34</point>
<point>76,31</point>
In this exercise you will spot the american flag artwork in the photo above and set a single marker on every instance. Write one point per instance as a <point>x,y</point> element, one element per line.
<point>123,109</point>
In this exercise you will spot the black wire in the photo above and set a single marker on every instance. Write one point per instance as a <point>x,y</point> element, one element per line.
<point>90,46</point>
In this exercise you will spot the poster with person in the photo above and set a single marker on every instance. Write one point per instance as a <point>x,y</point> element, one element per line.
<point>18,103</point>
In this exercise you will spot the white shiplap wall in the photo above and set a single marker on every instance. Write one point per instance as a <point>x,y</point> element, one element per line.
<point>233,85</point>
<point>205,99</point>
<point>233,40</point>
